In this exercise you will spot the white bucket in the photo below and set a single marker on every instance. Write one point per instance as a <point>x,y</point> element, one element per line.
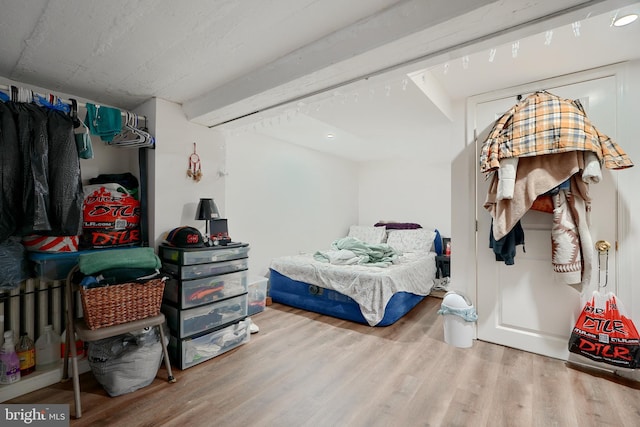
<point>457,331</point>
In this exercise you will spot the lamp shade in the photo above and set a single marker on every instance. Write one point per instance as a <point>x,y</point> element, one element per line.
<point>207,210</point>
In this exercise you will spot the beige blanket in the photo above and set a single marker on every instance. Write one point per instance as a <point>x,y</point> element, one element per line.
<point>572,255</point>
<point>535,176</point>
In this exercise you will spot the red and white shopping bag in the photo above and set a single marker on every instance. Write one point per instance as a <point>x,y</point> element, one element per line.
<point>604,333</point>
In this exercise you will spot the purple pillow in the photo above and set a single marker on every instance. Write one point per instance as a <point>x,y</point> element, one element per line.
<point>398,225</point>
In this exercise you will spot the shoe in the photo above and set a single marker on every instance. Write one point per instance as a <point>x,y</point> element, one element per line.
<point>254,328</point>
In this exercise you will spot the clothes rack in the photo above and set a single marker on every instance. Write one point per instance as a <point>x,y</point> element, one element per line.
<point>131,136</point>
<point>7,88</point>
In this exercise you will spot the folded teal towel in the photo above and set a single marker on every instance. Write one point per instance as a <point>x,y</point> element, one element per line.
<point>95,262</point>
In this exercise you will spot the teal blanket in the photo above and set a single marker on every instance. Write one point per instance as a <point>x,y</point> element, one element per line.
<point>350,251</point>
<point>95,262</point>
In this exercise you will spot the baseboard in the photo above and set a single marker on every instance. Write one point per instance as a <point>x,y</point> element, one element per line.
<point>38,380</point>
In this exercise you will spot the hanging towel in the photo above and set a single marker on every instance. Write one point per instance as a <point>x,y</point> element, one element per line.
<point>83,141</point>
<point>592,173</point>
<point>95,262</point>
<point>106,122</point>
<point>507,178</point>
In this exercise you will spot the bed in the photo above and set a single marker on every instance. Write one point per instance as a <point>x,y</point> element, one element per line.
<point>377,296</point>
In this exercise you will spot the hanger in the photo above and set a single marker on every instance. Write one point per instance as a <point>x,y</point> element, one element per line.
<point>132,136</point>
<point>74,113</point>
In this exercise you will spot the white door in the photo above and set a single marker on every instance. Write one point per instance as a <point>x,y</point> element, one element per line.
<point>521,305</point>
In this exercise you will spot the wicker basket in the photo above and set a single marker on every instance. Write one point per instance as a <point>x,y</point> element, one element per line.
<point>115,304</point>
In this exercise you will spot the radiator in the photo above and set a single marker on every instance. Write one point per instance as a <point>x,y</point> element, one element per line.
<point>33,305</point>
<point>29,308</point>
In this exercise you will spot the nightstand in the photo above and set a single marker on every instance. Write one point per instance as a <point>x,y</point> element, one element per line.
<point>443,266</point>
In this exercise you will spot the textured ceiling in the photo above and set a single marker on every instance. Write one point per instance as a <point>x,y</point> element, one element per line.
<point>222,59</point>
<point>124,52</point>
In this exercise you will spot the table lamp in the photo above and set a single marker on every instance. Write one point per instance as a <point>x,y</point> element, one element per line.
<point>207,211</point>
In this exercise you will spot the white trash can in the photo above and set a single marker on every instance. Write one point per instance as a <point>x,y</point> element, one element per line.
<point>459,318</point>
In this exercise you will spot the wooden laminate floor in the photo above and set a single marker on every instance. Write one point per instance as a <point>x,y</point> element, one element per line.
<point>305,369</point>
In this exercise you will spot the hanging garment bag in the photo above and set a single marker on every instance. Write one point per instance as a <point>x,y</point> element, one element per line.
<point>604,333</point>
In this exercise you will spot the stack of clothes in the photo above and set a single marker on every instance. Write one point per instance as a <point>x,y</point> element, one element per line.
<point>114,266</point>
<point>545,146</point>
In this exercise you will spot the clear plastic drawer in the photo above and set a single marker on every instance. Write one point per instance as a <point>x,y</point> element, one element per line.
<point>188,352</point>
<point>185,256</point>
<point>188,322</point>
<point>186,272</point>
<point>192,293</point>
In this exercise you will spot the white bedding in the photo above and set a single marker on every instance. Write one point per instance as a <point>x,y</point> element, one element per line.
<point>371,287</point>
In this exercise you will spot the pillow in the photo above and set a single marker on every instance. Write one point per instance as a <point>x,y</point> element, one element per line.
<point>416,240</point>
<point>397,225</point>
<point>368,234</point>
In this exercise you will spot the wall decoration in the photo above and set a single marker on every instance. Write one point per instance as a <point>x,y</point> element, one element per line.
<point>195,168</point>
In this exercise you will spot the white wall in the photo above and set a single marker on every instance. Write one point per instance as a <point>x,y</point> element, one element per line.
<point>108,160</point>
<point>406,190</point>
<point>414,188</point>
<point>629,202</point>
<point>283,199</point>
<point>175,196</point>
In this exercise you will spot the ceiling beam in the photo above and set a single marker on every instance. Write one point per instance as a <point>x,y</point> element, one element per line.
<point>408,30</point>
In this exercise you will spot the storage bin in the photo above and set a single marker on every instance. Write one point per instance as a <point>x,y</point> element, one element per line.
<point>257,295</point>
<point>192,293</point>
<point>53,266</point>
<point>56,266</point>
<point>184,323</point>
<point>122,303</point>
<point>185,353</point>
<point>186,272</point>
<point>188,256</point>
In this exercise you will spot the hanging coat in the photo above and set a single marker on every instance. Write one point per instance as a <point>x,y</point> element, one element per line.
<point>10,174</point>
<point>31,123</point>
<point>46,173</point>
<point>572,250</point>
<point>65,184</point>
<point>543,123</point>
<point>535,176</point>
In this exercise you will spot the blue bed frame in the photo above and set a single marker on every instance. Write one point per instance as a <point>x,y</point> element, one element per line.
<point>309,297</point>
<point>302,295</point>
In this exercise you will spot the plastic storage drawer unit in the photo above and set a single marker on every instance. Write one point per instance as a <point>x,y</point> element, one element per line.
<point>192,293</point>
<point>185,353</point>
<point>185,323</point>
<point>257,295</point>
<point>187,256</point>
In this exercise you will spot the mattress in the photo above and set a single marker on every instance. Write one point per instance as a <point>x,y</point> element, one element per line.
<point>377,296</point>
